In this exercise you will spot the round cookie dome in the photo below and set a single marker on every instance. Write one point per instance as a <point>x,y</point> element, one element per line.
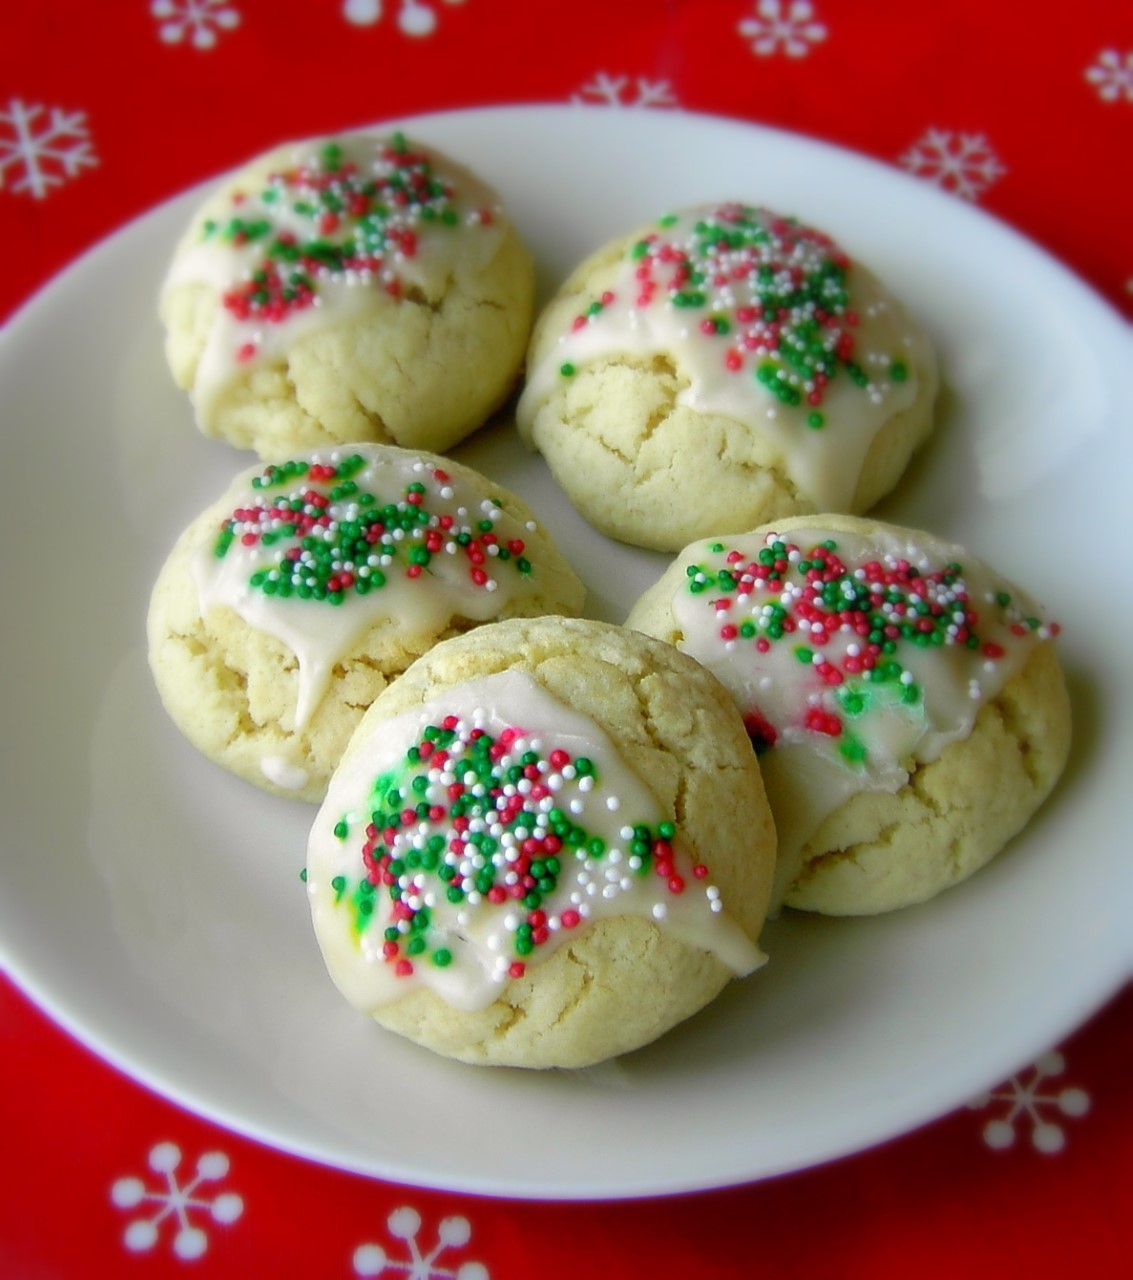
<point>546,844</point>
<point>721,368</point>
<point>907,702</point>
<point>311,584</point>
<point>355,288</point>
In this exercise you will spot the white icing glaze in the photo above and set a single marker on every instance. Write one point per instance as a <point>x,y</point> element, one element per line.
<point>320,633</point>
<point>824,462</point>
<point>284,773</point>
<point>480,933</point>
<point>838,731</point>
<point>275,190</point>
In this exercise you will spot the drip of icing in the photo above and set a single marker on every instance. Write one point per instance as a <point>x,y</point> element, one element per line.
<point>850,655</point>
<point>439,898</point>
<point>767,323</point>
<point>425,546</point>
<point>284,773</point>
<point>323,230</point>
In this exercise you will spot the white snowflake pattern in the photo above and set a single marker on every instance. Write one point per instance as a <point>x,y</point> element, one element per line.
<point>626,91</point>
<point>413,17</point>
<point>788,27</point>
<point>1021,1097</point>
<point>176,1201</point>
<point>1112,75</point>
<point>405,1224</point>
<point>198,20</point>
<point>42,146</point>
<point>962,163</point>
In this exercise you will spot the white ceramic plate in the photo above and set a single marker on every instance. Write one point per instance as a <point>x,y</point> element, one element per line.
<point>151,903</point>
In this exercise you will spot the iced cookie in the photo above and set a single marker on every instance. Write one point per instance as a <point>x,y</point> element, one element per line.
<point>546,844</point>
<point>908,704</point>
<point>358,288</point>
<point>287,606</point>
<point>721,368</point>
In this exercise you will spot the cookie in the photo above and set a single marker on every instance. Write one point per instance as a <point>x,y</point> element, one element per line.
<point>547,844</point>
<point>356,288</point>
<point>296,598</point>
<point>907,701</point>
<point>721,368</point>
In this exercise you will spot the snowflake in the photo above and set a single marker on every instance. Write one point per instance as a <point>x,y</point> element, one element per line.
<point>1113,75</point>
<point>962,163</point>
<point>190,1241</point>
<point>413,17</point>
<point>43,152</point>
<point>200,20</point>
<point>622,91</point>
<point>790,27</point>
<point>1022,1097</point>
<point>405,1224</point>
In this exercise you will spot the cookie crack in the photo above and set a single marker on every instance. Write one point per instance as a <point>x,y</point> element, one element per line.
<point>511,1016</point>
<point>1019,732</point>
<point>586,983</point>
<point>373,416</point>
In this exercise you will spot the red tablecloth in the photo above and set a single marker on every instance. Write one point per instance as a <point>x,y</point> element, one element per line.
<point>106,110</point>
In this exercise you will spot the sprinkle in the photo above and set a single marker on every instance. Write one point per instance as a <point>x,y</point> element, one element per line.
<point>490,839</point>
<point>330,218</point>
<point>328,537</point>
<point>777,290</point>
<point>853,626</point>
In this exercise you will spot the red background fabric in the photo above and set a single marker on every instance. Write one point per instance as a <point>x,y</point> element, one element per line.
<point>158,96</point>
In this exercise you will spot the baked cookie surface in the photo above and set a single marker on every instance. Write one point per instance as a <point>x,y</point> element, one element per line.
<point>286,607</point>
<point>721,368</point>
<point>907,701</point>
<point>354,288</point>
<point>546,844</point>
